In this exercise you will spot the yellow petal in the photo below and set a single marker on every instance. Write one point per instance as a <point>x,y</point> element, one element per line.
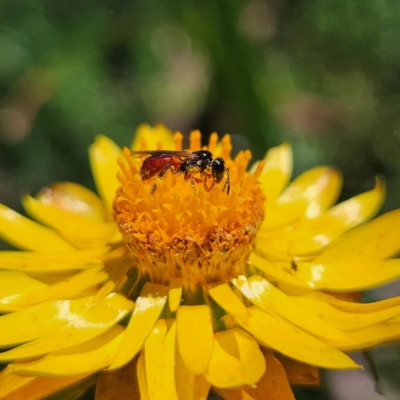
<point>283,214</point>
<point>194,336</point>
<point>188,385</point>
<point>346,276</point>
<point>228,300</point>
<point>74,198</point>
<point>27,234</point>
<point>376,240</point>
<point>275,274</point>
<point>344,321</point>
<point>274,332</point>
<point>175,293</point>
<point>351,306</point>
<point>41,387</point>
<point>184,378</point>
<point>104,154</point>
<point>362,207</point>
<point>141,376</point>
<point>273,382</point>
<point>16,284</point>
<point>93,356</point>
<point>276,172</point>
<point>201,388</point>
<point>78,230</point>
<point>320,186</point>
<point>87,325</point>
<point>265,295</point>
<point>66,288</point>
<point>22,326</point>
<point>371,336</point>
<point>51,261</point>
<point>118,385</point>
<point>148,308</point>
<point>236,360</point>
<point>310,235</point>
<point>10,382</point>
<point>153,137</point>
<point>159,357</point>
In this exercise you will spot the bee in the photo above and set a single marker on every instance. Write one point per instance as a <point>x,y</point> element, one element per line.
<point>200,163</point>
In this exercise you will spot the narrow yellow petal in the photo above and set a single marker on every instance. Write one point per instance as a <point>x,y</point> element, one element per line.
<point>184,378</point>
<point>228,300</point>
<point>276,172</point>
<point>175,293</point>
<point>153,137</point>
<point>376,240</point>
<point>201,388</point>
<point>236,360</point>
<point>95,357</point>
<point>27,234</point>
<point>87,325</point>
<point>195,336</point>
<point>22,326</point>
<point>320,186</point>
<point>51,261</point>
<point>159,357</point>
<point>275,332</point>
<point>67,288</point>
<point>188,385</point>
<point>118,385</point>
<point>76,229</point>
<point>354,307</point>
<point>265,295</point>
<point>348,276</point>
<point>75,198</point>
<point>10,382</point>
<point>104,154</point>
<point>371,336</point>
<point>344,321</point>
<point>148,308</point>
<point>274,382</point>
<point>141,377</point>
<point>311,235</point>
<point>362,207</point>
<point>16,284</point>
<point>42,387</point>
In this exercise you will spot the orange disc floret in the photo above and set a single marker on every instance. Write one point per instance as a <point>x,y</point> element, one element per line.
<point>174,233</point>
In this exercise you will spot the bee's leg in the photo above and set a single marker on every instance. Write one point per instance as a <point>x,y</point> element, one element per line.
<point>227,182</point>
<point>205,182</point>
<point>192,180</point>
<point>154,188</point>
<point>168,167</point>
<point>205,179</point>
<point>161,175</point>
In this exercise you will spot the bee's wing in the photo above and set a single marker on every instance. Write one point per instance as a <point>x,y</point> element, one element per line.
<point>162,153</point>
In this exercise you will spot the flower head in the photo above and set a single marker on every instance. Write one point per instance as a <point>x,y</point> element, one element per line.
<point>202,237</point>
<point>167,288</point>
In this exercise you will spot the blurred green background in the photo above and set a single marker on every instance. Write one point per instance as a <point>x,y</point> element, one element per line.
<point>321,74</point>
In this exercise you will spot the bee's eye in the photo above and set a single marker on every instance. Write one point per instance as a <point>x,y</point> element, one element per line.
<point>218,169</point>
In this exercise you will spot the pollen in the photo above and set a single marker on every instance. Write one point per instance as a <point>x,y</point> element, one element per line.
<point>202,238</point>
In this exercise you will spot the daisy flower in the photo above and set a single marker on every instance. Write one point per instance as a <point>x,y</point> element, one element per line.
<point>172,293</point>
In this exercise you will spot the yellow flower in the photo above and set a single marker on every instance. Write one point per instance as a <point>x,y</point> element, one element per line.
<point>191,292</point>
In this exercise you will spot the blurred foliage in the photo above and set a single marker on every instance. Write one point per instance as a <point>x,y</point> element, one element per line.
<point>322,74</point>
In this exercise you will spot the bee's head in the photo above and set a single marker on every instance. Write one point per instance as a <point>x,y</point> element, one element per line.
<point>218,169</point>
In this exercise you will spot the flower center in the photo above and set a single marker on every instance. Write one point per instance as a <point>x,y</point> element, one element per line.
<point>201,236</point>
